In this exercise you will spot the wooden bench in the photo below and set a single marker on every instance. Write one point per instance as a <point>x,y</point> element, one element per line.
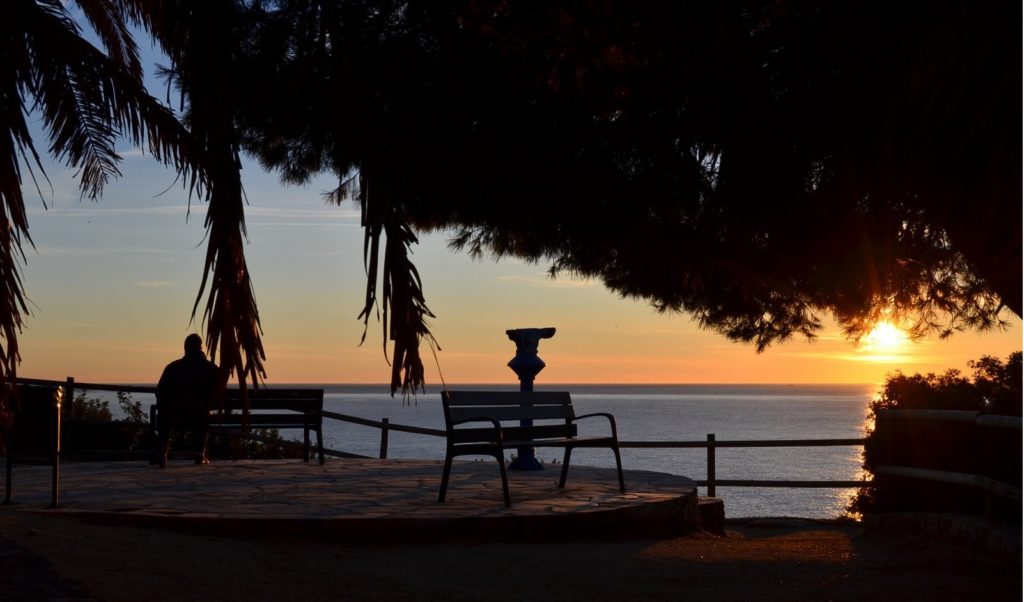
<point>268,409</point>
<point>552,424</point>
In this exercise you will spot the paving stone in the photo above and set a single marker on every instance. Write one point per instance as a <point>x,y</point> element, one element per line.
<point>380,495</point>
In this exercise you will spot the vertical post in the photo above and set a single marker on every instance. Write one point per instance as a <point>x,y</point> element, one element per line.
<point>711,465</point>
<point>384,438</point>
<point>527,364</point>
<point>58,396</point>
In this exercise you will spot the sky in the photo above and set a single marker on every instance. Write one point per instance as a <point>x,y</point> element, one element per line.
<point>112,284</point>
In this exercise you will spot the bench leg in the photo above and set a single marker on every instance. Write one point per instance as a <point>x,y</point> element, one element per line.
<point>444,477</point>
<point>618,466</point>
<point>305,444</point>
<point>504,480</point>
<point>565,468</point>
<point>320,445</point>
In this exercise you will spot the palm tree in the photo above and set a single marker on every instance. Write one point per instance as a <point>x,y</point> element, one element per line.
<point>87,99</point>
<point>200,39</point>
<point>313,71</point>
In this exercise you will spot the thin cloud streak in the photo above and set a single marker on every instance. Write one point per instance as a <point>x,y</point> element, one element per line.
<point>298,217</point>
<point>60,251</point>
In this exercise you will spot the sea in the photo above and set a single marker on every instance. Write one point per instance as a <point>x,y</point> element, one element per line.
<point>660,413</point>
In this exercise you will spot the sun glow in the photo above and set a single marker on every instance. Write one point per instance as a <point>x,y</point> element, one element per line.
<point>885,337</point>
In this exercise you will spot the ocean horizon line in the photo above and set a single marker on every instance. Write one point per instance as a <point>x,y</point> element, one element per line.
<point>306,383</point>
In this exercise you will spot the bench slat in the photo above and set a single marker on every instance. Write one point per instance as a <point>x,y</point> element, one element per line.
<point>276,394</point>
<point>506,398</point>
<point>519,433</point>
<point>501,413</point>
<point>267,408</point>
<point>288,405</point>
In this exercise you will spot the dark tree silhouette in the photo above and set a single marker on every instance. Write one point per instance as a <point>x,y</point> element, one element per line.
<point>757,164</point>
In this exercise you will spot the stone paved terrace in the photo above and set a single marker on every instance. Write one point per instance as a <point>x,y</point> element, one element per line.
<point>384,501</point>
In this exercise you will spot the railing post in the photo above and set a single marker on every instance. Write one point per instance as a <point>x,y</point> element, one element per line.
<point>711,465</point>
<point>384,438</point>
<point>55,443</point>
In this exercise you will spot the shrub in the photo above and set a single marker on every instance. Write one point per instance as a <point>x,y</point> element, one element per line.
<point>83,408</point>
<point>133,412</point>
<point>994,387</point>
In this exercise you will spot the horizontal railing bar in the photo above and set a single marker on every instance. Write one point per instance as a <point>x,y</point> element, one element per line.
<point>744,443</point>
<point>379,424</point>
<point>352,419</point>
<point>91,386</point>
<point>780,483</point>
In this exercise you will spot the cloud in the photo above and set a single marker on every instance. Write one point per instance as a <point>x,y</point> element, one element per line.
<point>86,211</point>
<point>59,251</point>
<point>319,217</point>
<point>264,216</point>
<point>132,153</point>
<point>548,282</point>
<point>123,252</point>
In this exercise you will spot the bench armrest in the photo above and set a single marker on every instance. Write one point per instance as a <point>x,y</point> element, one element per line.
<point>611,421</point>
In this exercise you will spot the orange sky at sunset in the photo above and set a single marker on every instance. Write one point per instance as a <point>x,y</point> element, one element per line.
<point>112,286</point>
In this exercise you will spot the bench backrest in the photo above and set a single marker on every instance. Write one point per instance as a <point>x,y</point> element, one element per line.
<point>554,407</point>
<point>307,401</point>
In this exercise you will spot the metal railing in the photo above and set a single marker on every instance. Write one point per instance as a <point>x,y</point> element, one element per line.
<point>711,444</point>
<point>991,486</point>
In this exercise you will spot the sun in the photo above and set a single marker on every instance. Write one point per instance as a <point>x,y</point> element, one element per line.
<point>885,336</point>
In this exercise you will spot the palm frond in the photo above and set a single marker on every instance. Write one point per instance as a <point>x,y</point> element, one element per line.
<point>199,41</point>
<point>87,100</point>
<point>403,304</point>
<point>107,19</point>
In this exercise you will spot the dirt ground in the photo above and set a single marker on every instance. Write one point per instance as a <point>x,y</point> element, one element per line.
<point>54,558</point>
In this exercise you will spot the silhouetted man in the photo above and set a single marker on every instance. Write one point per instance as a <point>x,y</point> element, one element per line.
<point>183,397</point>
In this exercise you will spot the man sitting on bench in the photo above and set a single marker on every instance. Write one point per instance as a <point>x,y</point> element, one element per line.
<point>183,398</point>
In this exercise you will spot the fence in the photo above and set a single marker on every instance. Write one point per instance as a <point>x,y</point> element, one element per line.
<point>386,427</point>
<point>711,444</point>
